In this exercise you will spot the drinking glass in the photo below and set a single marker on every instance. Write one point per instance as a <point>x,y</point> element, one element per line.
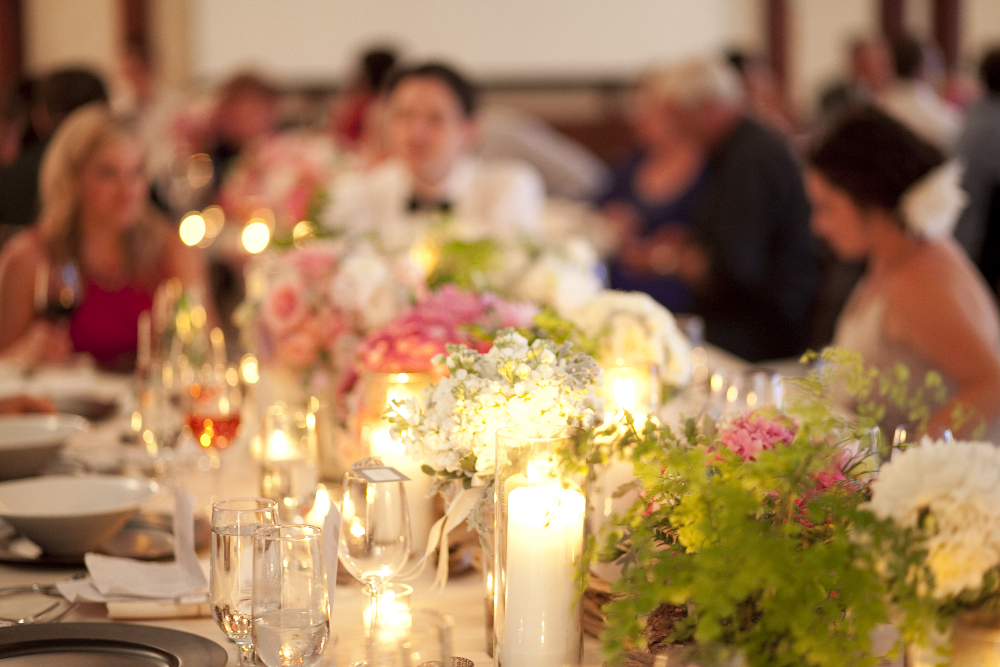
<point>374,531</point>
<point>424,640</point>
<point>212,405</point>
<point>291,606</point>
<point>57,290</point>
<point>289,460</point>
<point>233,524</point>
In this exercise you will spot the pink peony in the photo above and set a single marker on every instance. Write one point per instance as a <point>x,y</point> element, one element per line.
<point>752,433</point>
<point>284,307</point>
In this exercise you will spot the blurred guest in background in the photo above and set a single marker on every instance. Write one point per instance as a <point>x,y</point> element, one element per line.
<point>97,241</point>
<point>883,194</point>
<point>354,116</point>
<point>871,73</point>
<point>567,168</point>
<point>763,94</point>
<point>912,99</point>
<point>431,127</point>
<point>247,112</point>
<point>650,203</point>
<point>140,96</point>
<point>59,94</point>
<point>751,260</point>
<point>978,229</point>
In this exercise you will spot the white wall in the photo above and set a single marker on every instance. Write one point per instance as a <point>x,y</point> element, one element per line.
<point>70,32</point>
<point>317,40</point>
<point>981,26</point>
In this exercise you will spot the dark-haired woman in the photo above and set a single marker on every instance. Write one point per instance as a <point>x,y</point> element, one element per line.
<point>884,195</point>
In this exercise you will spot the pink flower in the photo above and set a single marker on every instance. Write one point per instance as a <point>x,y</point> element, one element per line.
<point>510,313</point>
<point>753,433</point>
<point>298,349</point>
<point>284,307</point>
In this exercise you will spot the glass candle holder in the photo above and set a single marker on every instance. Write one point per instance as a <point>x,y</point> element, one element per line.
<point>392,610</point>
<point>540,518</point>
<point>289,460</point>
<point>379,389</point>
<point>630,385</point>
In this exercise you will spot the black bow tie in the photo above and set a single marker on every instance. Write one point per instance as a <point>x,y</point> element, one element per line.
<point>415,204</point>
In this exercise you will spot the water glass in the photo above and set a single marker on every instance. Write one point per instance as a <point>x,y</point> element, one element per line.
<point>233,525</point>
<point>291,606</point>
<point>425,641</point>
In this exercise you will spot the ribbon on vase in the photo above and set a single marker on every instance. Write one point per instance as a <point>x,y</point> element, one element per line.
<point>458,510</point>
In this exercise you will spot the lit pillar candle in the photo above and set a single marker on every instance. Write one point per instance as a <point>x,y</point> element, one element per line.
<point>393,609</point>
<point>544,540</point>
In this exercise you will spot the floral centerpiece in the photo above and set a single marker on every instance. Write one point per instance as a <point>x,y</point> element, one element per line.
<point>308,309</point>
<point>742,538</point>
<point>449,316</point>
<point>935,532</point>
<point>453,429</point>
<point>287,174</point>
<point>632,325</point>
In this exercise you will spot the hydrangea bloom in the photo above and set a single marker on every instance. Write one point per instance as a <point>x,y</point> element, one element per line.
<point>513,383</point>
<point>951,494</point>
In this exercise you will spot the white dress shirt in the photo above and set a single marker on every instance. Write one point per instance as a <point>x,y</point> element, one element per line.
<point>500,199</point>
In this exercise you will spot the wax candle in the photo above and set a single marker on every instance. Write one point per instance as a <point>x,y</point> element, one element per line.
<point>629,388</point>
<point>393,609</point>
<point>544,540</point>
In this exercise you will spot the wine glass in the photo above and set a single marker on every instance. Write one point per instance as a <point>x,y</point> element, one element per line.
<point>291,605</point>
<point>57,290</point>
<point>233,525</point>
<point>374,531</point>
<point>213,401</point>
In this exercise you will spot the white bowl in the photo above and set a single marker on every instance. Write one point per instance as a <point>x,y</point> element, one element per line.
<point>29,442</point>
<point>70,515</point>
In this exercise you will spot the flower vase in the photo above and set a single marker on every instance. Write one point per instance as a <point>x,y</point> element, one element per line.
<point>974,639</point>
<point>540,520</point>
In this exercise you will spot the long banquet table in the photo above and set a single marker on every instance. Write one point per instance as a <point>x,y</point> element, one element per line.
<point>462,598</point>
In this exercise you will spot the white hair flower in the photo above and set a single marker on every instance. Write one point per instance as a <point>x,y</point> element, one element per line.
<point>930,207</point>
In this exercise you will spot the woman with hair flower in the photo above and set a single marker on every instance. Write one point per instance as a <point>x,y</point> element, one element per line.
<point>96,218</point>
<point>882,194</point>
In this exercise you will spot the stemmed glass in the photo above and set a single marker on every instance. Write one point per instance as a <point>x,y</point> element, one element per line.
<point>233,525</point>
<point>291,617</point>
<point>57,290</point>
<point>374,531</point>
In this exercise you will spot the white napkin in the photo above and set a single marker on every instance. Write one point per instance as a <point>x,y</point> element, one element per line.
<point>124,579</point>
<point>331,548</point>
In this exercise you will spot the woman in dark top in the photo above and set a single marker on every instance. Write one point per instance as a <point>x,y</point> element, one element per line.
<point>650,202</point>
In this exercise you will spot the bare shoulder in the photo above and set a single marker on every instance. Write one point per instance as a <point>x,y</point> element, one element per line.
<point>939,284</point>
<point>21,254</point>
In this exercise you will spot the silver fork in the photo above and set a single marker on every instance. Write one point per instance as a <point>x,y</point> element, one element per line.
<point>50,614</point>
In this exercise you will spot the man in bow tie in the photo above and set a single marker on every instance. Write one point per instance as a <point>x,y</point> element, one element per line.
<point>430,127</point>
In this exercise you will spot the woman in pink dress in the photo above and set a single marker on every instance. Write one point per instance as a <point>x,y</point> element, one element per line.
<point>98,238</point>
<point>883,195</point>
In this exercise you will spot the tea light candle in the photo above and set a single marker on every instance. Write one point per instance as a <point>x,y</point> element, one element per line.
<point>544,539</point>
<point>629,388</point>
<point>393,610</point>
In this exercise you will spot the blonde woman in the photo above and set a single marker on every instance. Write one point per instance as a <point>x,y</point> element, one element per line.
<point>98,235</point>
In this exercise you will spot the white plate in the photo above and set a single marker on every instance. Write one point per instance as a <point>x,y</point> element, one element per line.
<point>69,515</point>
<point>29,442</point>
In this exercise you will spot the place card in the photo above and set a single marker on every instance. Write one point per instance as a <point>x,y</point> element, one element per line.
<point>377,474</point>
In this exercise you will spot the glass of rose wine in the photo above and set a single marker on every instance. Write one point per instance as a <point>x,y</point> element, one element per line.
<point>214,400</point>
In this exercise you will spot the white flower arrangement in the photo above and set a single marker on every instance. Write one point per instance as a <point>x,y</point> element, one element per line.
<point>513,383</point>
<point>634,326</point>
<point>950,494</point>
